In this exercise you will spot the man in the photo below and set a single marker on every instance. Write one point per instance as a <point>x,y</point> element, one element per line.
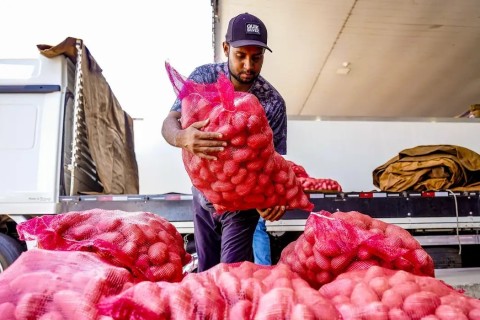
<point>228,237</point>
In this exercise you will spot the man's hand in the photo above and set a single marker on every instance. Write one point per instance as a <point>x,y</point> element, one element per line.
<point>272,214</point>
<point>201,143</point>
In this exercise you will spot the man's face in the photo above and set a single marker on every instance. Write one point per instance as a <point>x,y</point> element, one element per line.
<point>244,63</point>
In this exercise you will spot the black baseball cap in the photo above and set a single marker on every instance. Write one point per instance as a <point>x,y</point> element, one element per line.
<point>246,30</point>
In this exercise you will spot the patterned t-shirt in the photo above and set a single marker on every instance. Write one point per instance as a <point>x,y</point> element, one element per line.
<point>269,97</point>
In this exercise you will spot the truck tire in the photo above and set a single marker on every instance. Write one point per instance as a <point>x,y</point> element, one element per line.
<point>10,250</point>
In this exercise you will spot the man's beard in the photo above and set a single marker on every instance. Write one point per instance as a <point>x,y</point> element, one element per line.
<point>237,77</point>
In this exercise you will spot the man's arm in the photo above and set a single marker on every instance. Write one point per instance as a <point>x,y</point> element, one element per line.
<point>200,143</point>
<point>171,128</point>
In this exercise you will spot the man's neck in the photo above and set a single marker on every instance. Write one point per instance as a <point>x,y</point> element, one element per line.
<point>240,86</point>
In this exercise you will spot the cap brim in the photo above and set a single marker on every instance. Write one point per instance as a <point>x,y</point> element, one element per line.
<point>243,43</point>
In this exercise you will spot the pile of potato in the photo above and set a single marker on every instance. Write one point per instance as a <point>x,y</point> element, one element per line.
<point>145,243</point>
<point>344,241</point>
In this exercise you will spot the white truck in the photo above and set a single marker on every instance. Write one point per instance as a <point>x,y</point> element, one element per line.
<point>47,167</point>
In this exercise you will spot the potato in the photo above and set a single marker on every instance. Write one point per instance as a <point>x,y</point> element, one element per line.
<point>457,300</point>
<point>340,299</point>
<point>301,312</point>
<point>230,286</point>
<point>107,225</point>
<point>30,306</point>
<point>166,272</point>
<point>338,287</point>
<point>180,301</point>
<point>364,253</point>
<point>349,312</point>
<point>374,272</point>
<point>6,294</point>
<point>251,289</point>
<point>142,262</point>
<point>392,299</point>
<point>324,277</point>
<point>158,253</point>
<point>73,305</point>
<point>82,232</point>
<point>52,315</point>
<point>282,282</point>
<point>147,289</point>
<point>433,285</point>
<point>328,248</point>
<point>374,311</point>
<point>379,285</point>
<point>405,289</point>
<point>420,304</point>
<point>35,281</point>
<point>340,262</point>
<point>321,260</point>
<point>400,277</point>
<point>362,294</point>
<point>378,224</point>
<point>112,237</point>
<point>241,310</point>
<point>275,304</point>
<point>397,314</point>
<point>446,312</point>
<point>474,314</point>
<point>403,264</point>
<point>474,303</point>
<point>7,310</point>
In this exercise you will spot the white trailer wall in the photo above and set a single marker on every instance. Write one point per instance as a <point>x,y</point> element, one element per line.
<point>347,150</point>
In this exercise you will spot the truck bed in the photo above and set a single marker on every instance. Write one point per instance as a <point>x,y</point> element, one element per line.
<point>427,211</point>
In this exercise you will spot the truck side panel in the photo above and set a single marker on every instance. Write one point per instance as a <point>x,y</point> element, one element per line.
<point>31,124</point>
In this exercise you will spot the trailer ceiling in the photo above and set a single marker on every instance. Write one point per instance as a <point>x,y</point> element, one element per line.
<point>402,58</point>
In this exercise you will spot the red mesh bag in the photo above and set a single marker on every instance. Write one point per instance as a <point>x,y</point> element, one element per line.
<point>249,173</point>
<point>299,170</point>
<point>344,241</point>
<point>226,291</point>
<point>314,184</point>
<point>145,243</point>
<point>320,184</point>
<point>381,293</point>
<point>43,284</point>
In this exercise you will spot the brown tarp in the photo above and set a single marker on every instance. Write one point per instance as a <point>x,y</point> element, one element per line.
<point>428,168</point>
<point>110,129</point>
<point>472,112</point>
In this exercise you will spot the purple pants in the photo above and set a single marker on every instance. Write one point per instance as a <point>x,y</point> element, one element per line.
<point>223,237</point>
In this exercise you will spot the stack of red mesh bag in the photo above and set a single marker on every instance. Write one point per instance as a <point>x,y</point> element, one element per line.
<point>226,291</point>
<point>56,285</point>
<point>314,184</point>
<point>380,293</point>
<point>344,241</point>
<point>144,243</point>
<point>249,173</point>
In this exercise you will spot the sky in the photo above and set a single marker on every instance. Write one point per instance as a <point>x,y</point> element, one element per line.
<point>130,40</point>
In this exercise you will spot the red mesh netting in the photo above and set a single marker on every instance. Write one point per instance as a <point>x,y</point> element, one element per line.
<point>320,184</point>
<point>344,241</point>
<point>314,184</point>
<point>43,284</point>
<point>145,243</point>
<point>299,170</point>
<point>381,293</point>
<point>249,173</point>
<point>226,291</point>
